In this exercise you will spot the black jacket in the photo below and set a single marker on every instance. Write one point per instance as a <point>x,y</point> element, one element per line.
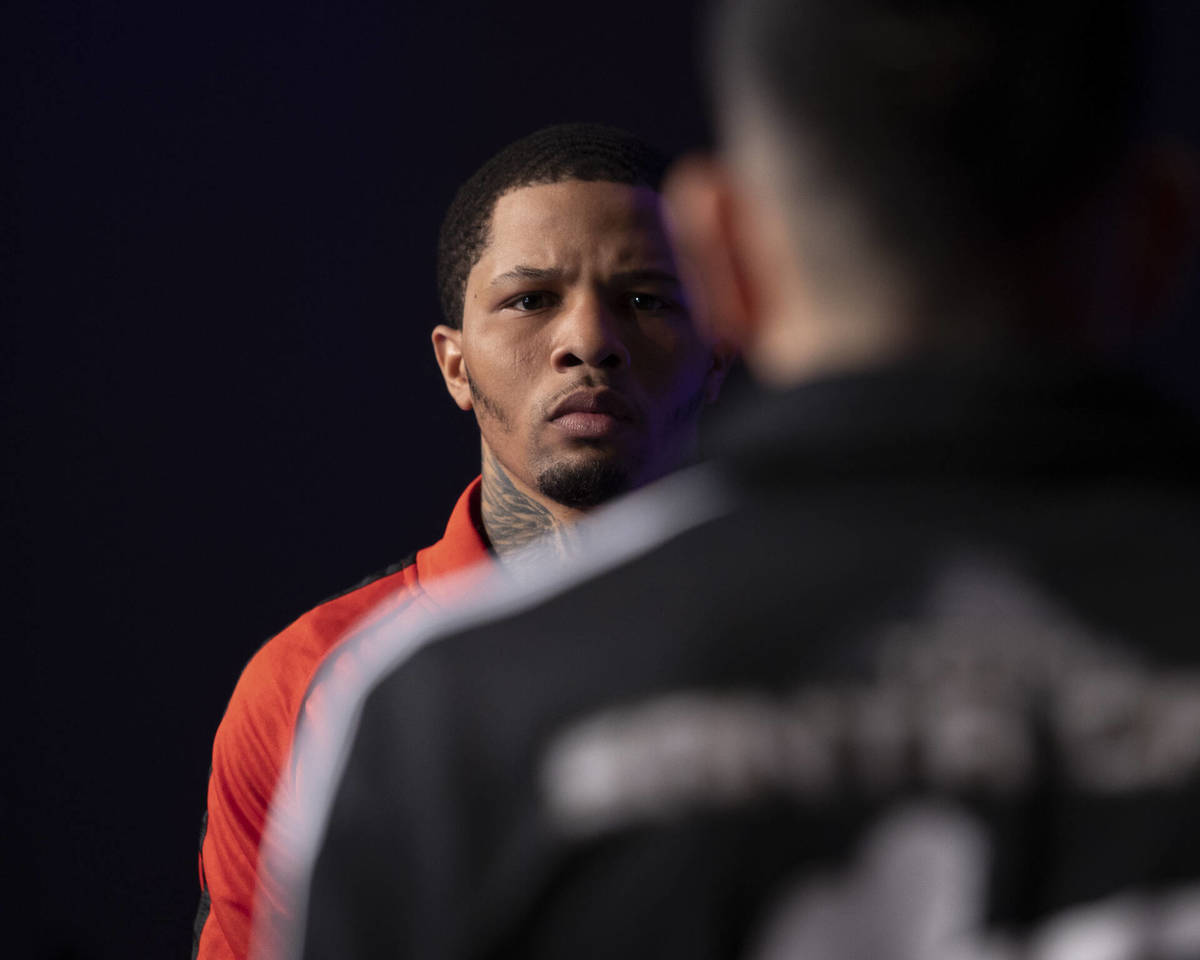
<point>914,668</point>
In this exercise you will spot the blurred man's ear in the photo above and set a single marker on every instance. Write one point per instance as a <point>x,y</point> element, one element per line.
<point>447,347</point>
<point>702,218</point>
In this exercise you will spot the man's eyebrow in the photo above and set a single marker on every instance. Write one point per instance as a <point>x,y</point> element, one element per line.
<point>522,272</point>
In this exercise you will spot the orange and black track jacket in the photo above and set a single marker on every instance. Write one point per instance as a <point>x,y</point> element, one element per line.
<point>252,743</point>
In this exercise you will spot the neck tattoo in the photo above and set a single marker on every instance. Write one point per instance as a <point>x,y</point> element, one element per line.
<point>514,521</point>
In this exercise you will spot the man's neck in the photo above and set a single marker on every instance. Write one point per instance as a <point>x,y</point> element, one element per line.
<point>516,521</point>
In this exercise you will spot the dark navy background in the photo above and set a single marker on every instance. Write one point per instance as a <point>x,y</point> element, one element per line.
<point>221,403</point>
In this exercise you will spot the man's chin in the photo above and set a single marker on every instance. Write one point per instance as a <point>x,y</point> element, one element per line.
<point>586,484</point>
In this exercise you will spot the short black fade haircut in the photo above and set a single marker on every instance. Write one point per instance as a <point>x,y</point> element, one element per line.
<point>571,151</point>
<point>961,127</point>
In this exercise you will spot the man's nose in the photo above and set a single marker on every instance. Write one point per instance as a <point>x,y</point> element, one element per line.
<point>590,335</point>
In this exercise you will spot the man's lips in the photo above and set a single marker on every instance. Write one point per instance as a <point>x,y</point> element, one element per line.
<point>590,414</point>
<point>601,402</point>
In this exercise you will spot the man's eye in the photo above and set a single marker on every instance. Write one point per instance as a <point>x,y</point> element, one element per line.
<point>531,301</point>
<point>648,302</point>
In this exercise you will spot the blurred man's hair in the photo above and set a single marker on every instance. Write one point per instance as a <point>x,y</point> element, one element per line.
<point>572,151</point>
<point>958,129</point>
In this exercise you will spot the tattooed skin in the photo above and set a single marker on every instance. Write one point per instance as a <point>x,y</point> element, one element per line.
<point>513,520</point>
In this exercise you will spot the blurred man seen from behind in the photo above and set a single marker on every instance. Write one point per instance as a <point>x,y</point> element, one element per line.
<point>910,673</point>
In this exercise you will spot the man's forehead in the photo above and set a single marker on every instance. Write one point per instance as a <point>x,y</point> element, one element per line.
<point>598,198</point>
<point>547,224</point>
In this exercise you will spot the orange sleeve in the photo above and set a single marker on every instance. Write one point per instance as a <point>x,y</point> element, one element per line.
<point>252,744</point>
<point>250,754</point>
<point>249,751</point>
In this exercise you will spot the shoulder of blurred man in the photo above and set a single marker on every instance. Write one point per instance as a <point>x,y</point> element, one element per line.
<point>743,669</point>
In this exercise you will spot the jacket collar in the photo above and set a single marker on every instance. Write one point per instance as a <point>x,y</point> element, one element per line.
<point>1008,414</point>
<point>462,546</point>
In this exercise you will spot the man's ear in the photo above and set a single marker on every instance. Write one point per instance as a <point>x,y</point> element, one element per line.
<point>723,355</point>
<point>701,214</point>
<point>447,347</point>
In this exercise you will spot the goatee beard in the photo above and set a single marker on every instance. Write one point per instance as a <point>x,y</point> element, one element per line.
<point>584,485</point>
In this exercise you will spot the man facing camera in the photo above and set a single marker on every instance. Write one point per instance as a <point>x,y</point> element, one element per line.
<point>913,672</point>
<point>569,336</point>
